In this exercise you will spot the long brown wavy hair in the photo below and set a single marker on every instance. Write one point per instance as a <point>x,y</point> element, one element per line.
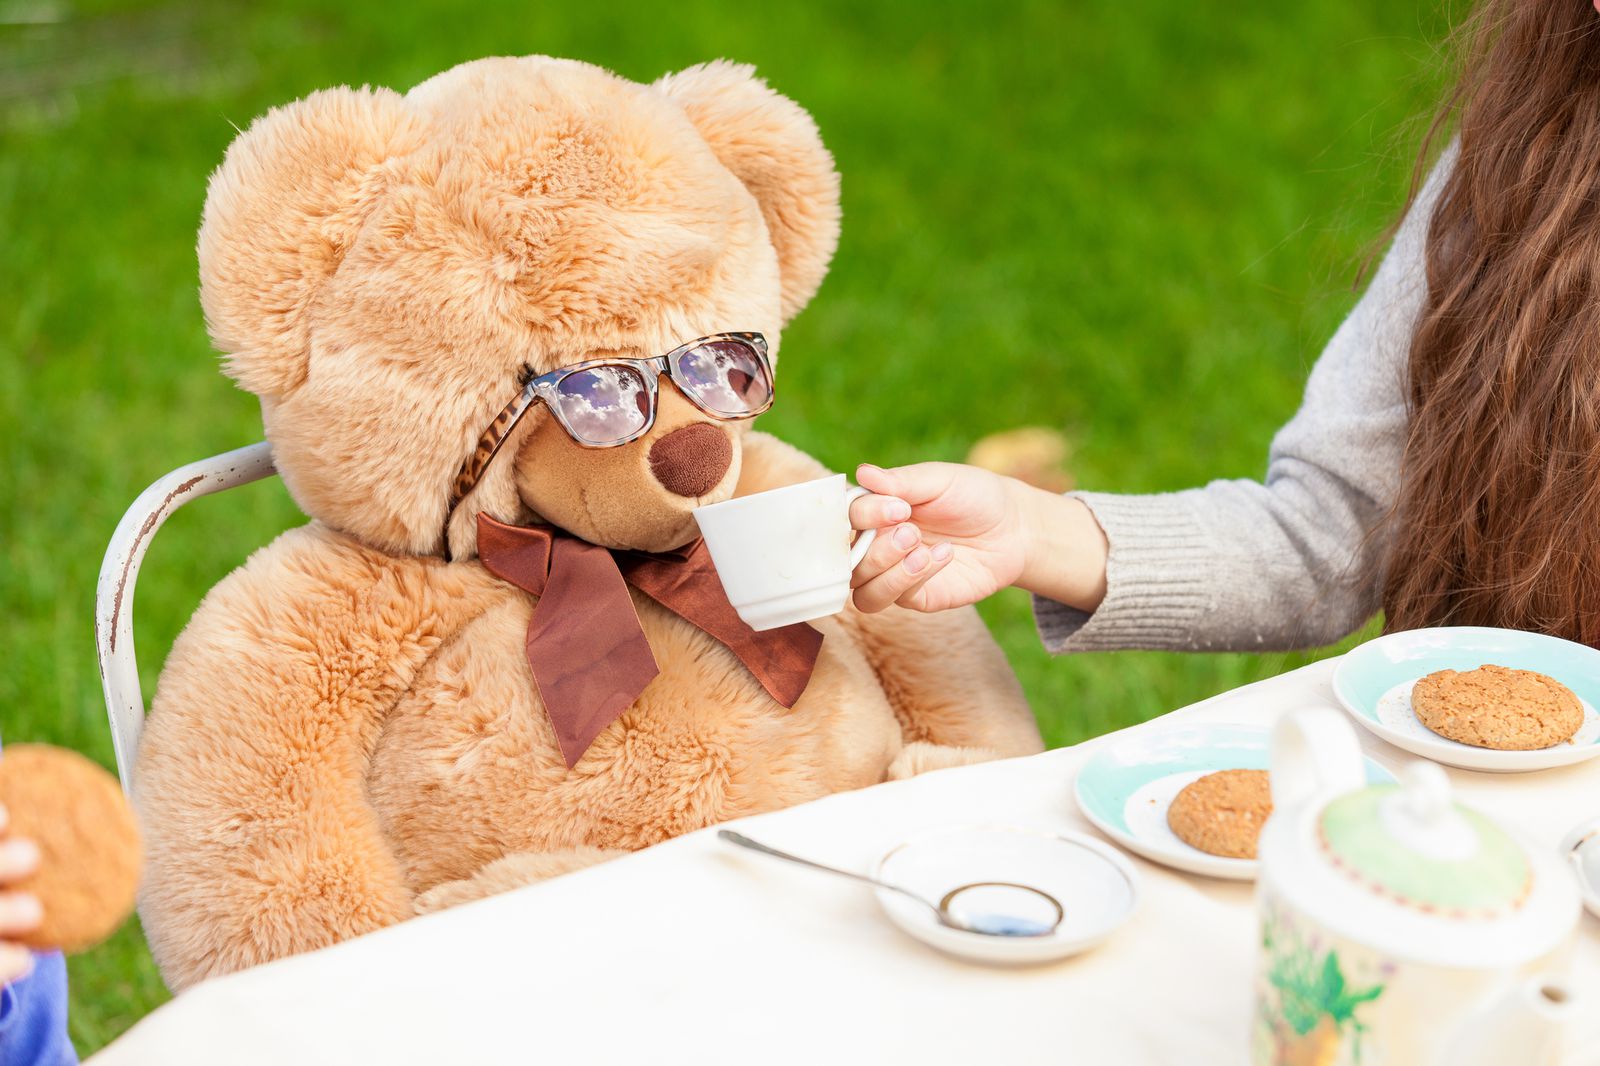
<point>1497,521</point>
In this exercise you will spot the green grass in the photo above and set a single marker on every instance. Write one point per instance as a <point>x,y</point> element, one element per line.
<point>1137,222</point>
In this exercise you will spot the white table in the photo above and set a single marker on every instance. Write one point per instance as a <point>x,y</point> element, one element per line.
<point>691,952</point>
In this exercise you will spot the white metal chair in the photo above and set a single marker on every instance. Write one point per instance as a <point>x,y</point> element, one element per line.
<point>119,572</point>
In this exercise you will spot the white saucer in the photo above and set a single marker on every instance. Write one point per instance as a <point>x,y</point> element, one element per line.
<point>1096,887</point>
<point>1374,684</point>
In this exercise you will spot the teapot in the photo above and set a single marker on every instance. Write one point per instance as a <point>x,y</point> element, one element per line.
<point>1396,926</point>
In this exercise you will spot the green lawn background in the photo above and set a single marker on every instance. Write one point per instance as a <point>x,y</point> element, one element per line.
<point>1136,222</point>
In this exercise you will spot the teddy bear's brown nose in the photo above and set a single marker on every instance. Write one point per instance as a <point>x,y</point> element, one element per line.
<point>691,461</point>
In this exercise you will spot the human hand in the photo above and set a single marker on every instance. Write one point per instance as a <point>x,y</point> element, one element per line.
<point>952,535</point>
<point>20,912</point>
<point>957,536</point>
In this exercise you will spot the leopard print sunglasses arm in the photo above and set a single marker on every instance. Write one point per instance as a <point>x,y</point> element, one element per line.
<point>489,444</point>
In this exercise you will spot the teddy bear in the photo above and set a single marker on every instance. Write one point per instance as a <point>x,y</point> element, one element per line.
<point>454,306</point>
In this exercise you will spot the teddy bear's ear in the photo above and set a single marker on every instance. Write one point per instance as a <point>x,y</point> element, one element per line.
<point>280,212</point>
<point>770,144</point>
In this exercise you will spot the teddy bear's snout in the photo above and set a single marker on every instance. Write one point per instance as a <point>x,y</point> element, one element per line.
<point>691,460</point>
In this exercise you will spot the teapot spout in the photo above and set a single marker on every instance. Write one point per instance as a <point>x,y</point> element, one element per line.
<point>1527,1025</point>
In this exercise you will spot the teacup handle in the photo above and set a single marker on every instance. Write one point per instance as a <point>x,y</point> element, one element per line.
<point>858,551</point>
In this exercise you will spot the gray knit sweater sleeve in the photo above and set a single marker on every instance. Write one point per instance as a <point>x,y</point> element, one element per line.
<point>1291,562</point>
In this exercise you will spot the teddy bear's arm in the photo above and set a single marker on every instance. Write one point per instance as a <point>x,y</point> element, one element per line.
<point>955,694</point>
<point>509,872</point>
<point>251,778</point>
<point>950,685</point>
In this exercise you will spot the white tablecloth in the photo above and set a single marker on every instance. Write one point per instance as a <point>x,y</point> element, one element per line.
<point>692,952</point>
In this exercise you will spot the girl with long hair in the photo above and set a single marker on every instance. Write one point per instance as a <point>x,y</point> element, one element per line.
<point>1444,466</point>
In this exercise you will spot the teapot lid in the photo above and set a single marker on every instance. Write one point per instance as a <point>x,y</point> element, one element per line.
<point>1411,844</point>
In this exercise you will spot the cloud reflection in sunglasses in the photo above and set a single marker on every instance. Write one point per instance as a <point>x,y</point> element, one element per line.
<point>603,404</point>
<point>722,377</point>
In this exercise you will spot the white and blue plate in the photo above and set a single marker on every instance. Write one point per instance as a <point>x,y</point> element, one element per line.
<point>1127,785</point>
<point>1374,684</point>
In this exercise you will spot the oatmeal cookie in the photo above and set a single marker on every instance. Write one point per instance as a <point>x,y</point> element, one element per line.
<point>88,843</point>
<point>1222,813</point>
<point>1497,707</point>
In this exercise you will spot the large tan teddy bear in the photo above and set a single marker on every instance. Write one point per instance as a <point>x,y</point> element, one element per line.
<point>349,731</point>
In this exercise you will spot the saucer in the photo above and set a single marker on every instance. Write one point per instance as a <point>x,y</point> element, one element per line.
<point>1096,887</point>
<point>1374,683</point>
<point>1126,787</point>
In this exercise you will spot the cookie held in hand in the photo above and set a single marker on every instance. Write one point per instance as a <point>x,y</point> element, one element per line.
<point>1222,813</point>
<point>88,843</point>
<point>1497,707</point>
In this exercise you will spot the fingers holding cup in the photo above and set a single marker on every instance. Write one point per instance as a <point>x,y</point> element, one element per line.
<point>870,511</point>
<point>919,566</point>
<point>917,597</point>
<point>886,552</point>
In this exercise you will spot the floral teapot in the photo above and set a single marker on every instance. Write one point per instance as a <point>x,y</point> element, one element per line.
<point>1399,928</point>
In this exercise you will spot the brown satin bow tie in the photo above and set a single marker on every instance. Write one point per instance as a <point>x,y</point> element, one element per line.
<point>589,655</point>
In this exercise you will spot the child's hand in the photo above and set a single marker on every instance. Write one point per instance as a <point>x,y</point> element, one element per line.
<point>952,535</point>
<point>19,911</point>
<point>956,536</point>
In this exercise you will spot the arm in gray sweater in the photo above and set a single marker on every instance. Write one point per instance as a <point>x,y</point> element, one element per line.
<point>1294,561</point>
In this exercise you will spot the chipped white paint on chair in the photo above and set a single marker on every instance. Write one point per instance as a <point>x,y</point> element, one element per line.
<point>119,572</point>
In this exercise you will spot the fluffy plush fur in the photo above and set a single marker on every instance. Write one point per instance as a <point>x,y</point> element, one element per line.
<point>347,734</point>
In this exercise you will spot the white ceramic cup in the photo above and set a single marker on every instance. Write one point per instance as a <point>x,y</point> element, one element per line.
<point>785,556</point>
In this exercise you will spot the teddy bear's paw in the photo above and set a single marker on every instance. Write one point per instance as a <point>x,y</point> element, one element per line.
<point>508,872</point>
<point>919,757</point>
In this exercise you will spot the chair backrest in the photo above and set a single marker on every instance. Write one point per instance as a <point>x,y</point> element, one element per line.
<point>119,572</point>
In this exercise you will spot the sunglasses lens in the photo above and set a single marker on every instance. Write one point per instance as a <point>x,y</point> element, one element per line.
<point>603,404</point>
<point>725,377</point>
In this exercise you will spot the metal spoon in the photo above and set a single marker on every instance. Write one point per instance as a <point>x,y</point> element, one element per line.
<point>984,924</point>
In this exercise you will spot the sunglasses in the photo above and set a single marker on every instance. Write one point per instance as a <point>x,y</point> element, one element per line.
<point>605,403</point>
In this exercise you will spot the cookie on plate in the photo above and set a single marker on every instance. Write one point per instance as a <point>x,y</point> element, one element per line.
<point>1497,707</point>
<point>1222,813</point>
<point>88,843</point>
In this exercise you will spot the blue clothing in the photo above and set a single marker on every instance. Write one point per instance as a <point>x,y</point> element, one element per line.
<point>33,1017</point>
